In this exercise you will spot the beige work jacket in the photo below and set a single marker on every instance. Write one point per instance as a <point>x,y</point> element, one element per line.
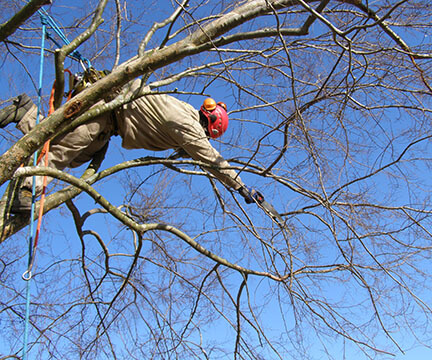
<point>161,122</point>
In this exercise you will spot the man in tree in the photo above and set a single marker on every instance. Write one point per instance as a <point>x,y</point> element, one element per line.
<point>152,122</point>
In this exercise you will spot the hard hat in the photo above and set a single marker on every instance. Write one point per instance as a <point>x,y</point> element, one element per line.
<point>209,104</point>
<point>217,117</point>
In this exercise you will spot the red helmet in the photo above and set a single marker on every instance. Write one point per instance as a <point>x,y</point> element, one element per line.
<point>217,117</point>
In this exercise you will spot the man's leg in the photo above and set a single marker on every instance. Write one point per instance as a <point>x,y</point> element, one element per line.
<point>23,112</point>
<point>16,111</point>
<point>69,150</point>
<point>21,106</point>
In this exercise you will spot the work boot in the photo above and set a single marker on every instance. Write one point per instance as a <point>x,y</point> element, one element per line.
<point>16,111</point>
<point>22,201</point>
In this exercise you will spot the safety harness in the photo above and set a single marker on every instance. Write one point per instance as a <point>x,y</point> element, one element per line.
<point>79,81</point>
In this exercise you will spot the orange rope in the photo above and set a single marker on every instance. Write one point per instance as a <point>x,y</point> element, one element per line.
<point>45,153</point>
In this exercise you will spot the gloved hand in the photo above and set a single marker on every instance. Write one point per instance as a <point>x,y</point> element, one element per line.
<point>250,195</point>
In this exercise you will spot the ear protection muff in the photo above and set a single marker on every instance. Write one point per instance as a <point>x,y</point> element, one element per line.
<point>220,103</point>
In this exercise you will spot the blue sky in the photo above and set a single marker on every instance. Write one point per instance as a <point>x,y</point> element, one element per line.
<point>421,353</point>
<point>61,241</point>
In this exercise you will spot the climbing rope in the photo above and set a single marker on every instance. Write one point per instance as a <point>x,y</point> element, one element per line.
<point>33,237</point>
<point>28,274</point>
<point>48,21</point>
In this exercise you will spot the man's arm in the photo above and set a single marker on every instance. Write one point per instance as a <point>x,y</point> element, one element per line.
<point>192,139</point>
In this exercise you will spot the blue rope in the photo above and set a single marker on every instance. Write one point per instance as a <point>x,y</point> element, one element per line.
<point>28,274</point>
<point>49,21</point>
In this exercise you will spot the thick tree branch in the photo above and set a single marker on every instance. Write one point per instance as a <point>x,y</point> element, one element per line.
<point>9,27</point>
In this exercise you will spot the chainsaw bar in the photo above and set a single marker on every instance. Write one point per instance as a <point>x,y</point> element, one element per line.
<point>270,210</point>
